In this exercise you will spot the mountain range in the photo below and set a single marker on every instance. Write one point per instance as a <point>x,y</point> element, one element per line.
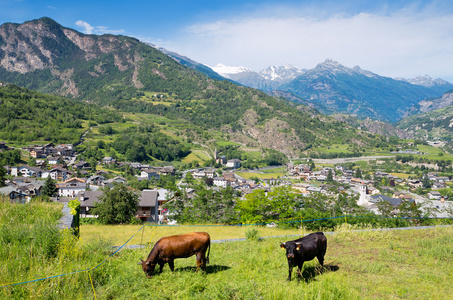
<point>124,74</point>
<point>334,88</point>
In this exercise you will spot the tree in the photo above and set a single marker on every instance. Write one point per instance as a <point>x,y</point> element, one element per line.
<point>116,205</point>
<point>330,176</point>
<point>358,173</point>
<point>2,176</point>
<point>312,166</point>
<point>49,188</point>
<point>93,164</point>
<point>385,208</point>
<point>425,181</point>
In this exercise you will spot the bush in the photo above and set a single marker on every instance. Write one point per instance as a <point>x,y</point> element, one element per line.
<point>252,234</point>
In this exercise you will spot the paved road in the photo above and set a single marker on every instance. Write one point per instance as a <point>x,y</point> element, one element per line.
<point>349,159</point>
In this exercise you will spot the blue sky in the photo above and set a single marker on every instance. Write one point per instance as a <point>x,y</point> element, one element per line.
<point>393,38</point>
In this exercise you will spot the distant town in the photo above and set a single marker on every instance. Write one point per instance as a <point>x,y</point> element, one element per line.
<point>77,179</point>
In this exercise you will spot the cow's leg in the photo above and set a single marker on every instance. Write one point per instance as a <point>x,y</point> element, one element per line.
<point>171,264</point>
<point>200,260</point>
<point>321,258</point>
<point>203,261</point>
<point>299,269</point>
<point>290,270</point>
<point>161,265</point>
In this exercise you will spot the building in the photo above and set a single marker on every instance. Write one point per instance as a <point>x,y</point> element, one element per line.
<point>26,171</point>
<point>233,163</point>
<point>14,194</point>
<point>71,187</point>
<point>220,181</point>
<point>149,173</point>
<point>434,195</point>
<point>147,208</point>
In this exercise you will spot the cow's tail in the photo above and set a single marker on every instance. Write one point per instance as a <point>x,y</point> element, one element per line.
<point>209,250</point>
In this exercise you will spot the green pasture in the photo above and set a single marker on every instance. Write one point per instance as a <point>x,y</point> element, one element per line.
<point>226,143</point>
<point>409,264</point>
<point>433,153</point>
<point>198,155</point>
<point>248,175</point>
<point>274,170</point>
<point>401,175</point>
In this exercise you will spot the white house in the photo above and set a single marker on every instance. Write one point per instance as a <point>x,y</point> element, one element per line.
<point>434,195</point>
<point>220,181</point>
<point>71,187</point>
<point>57,174</point>
<point>233,163</point>
<point>149,173</point>
<point>26,171</point>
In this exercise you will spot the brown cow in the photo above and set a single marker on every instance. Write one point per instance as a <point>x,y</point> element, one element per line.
<point>178,246</point>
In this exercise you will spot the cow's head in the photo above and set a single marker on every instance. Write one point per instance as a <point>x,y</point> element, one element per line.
<point>291,248</point>
<point>148,268</point>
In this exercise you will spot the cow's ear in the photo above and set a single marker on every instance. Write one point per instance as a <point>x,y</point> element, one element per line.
<point>283,245</point>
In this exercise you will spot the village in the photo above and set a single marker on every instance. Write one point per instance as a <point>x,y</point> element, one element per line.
<point>78,180</point>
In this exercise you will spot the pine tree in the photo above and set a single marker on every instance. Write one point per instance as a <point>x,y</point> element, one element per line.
<point>330,176</point>
<point>49,188</point>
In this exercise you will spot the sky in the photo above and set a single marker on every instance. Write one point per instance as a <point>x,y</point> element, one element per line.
<point>395,38</point>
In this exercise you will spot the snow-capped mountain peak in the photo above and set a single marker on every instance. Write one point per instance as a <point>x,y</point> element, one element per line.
<point>228,70</point>
<point>284,73</point>
<point>427,81</point>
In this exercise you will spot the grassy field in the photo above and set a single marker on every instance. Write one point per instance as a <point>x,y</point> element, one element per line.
<point>405,264</point>
<point>198,155</point>
<point>248,175</point>
<point>118,234</point>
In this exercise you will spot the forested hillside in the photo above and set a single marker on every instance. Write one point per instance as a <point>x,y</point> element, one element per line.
<point>27,116</point>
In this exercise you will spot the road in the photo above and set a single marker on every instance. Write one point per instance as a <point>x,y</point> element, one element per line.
<point>337,161</point>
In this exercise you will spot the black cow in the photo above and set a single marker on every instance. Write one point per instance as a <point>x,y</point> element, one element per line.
<point>305,249</point>
<point>178,246</point>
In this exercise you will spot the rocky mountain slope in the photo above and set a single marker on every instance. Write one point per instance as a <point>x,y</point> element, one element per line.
<point>431,104</point>
<point>432,123</point>
<point>334,88</point>
<point>357,91</point>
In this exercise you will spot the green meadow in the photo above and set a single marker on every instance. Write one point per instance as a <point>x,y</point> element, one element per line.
<point>366,264</point>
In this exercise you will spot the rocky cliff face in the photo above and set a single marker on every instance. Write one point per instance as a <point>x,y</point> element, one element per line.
<point>431,104</point>
<point>43,44</point>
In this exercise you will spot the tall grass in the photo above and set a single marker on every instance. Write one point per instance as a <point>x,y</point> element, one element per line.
<point>410,264</point>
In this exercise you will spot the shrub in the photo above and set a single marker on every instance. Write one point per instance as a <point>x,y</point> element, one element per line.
<point>252,234</point>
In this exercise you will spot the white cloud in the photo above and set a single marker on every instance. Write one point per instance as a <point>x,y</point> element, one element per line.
<point>403,44</point>
<point>88,29</point>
